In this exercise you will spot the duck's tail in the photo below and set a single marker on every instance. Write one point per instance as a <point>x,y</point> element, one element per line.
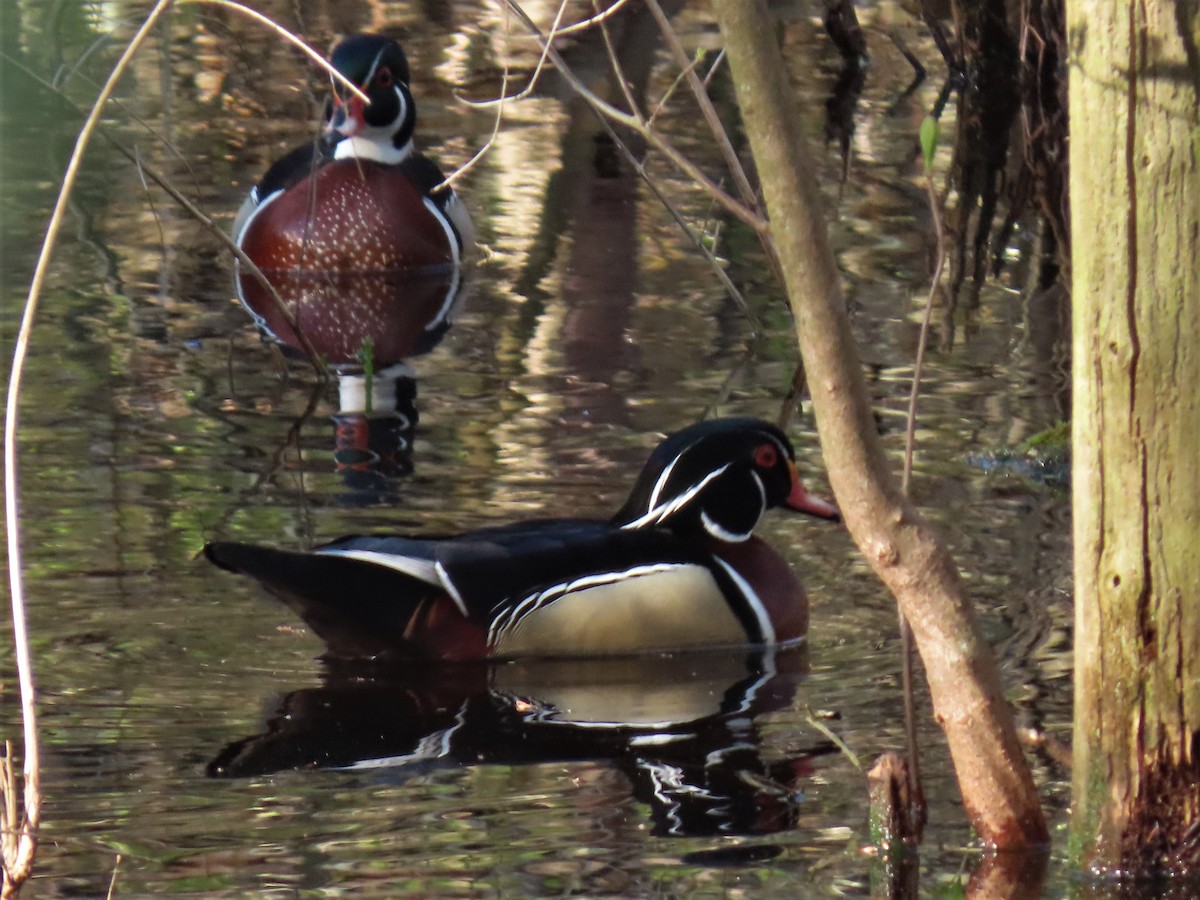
<point>359,608</point>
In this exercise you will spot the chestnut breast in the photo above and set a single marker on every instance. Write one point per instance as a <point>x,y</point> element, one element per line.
<point>350,216</point>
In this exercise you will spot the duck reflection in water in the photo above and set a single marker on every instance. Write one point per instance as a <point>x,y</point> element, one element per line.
<point>373,431</point>
<point>682,728</point>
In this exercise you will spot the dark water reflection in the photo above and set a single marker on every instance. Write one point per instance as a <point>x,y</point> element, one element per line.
<point>681,728</point>
<point>155,419</point>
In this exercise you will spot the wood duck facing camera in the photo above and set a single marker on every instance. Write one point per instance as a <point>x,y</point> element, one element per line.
<point>677,567</point>
<point>350,229</point>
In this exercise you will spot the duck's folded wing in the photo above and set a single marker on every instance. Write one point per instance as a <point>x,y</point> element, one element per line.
<point>358,606</point>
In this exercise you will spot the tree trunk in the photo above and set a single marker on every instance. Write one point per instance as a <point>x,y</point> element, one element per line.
<point>996,785</point>
<point>1135,218</point>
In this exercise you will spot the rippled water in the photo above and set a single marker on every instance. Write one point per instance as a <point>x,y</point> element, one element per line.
<point>154,419</point>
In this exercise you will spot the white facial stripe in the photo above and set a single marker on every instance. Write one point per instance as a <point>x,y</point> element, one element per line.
<point>378,142</point>
<point>374,65</point>
<point>752,600</point>
<point>510,618</point>
<point>719,532</point>
<point>662,481</point>
<point>658,514</point>
<point>403,114</point>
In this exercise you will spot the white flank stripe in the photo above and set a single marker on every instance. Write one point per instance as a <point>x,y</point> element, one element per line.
<point>421,569</point>
<point>432,746</point>
<point>444,577</point>
<point>752,600</point>
<point>261,205</point>
<point>456,212</point>
<point>533,602</point>
<point>456,261</point>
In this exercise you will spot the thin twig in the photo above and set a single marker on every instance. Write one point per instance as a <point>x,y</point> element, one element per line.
<point>112,883</point>
<point>17,870</point>
<point>618,72</point>
<point>584,24</point>
<point>633,123</point>
<point>146,171</point>
<point>711,118</point>
<point>670,91</point>
<point>837,741</point>
<point>290,38</point>
<point>18,864</point>
<point>466,167</point>
<point>916,790</point>
<point>537,70</point>
<point>914,392</point>
<point>719,270</point>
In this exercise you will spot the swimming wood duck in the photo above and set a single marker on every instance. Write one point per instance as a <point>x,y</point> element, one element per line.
<point>677,567</point>
<point>350,227</point>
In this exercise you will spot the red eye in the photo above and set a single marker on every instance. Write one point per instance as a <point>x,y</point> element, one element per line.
<point>766,456</point>
<point>384,77</point>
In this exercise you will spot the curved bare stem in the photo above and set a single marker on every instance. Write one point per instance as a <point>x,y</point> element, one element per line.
<point>537,71</point>
<point>149,172</point>
<point>466,167</point>
<point>17,870</point>
<point>290,38</point>
<point>633,123</point>
<point>600,16</point>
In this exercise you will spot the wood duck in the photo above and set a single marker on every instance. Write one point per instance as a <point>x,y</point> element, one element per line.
<point>677,567</point>
<point>349,229</point>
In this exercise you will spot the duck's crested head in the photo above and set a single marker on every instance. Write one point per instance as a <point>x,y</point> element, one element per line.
<point>718,477</point>
<point>362,58</point>
<point>378,66</point>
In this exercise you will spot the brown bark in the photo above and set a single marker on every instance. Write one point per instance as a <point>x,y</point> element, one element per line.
<point>1135,219</point>
<point>996,785</point>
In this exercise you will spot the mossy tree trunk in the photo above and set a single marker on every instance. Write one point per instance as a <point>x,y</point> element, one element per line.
<point>907,554</point>
<point>1135,219</point>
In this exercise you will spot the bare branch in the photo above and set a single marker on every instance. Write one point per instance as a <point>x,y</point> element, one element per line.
<point>466,167</point>
<point>290,38</point>
<point>745,190</point>
<point>740,210</point>
<point>146,171</point>
<point>594,20</point>
<point>618,72</point>
<point>537,71</point>
<point>699,91</point>
<point>17,868</point>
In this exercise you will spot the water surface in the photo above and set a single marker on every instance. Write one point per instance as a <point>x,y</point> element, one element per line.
<point>154,419</point>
